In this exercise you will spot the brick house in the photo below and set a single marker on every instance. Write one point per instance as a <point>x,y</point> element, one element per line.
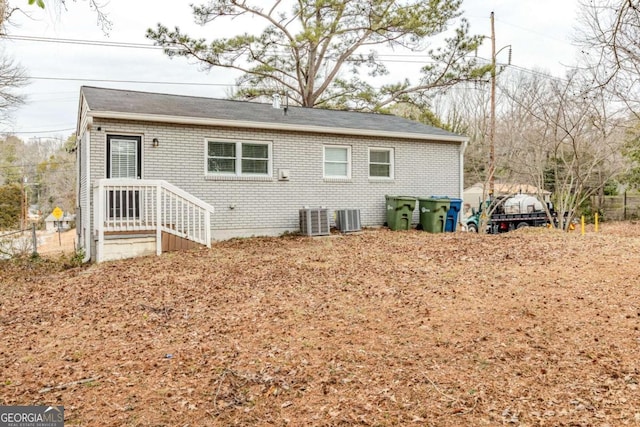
<point>154,168</point>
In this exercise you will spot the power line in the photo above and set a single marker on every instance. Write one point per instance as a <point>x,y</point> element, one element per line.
<point>55,100</point>
<point>147,45</point>
<point>40,131</point>
<point>129,45</point>
<point>534,32</point>
<point>527,70</point>
<point>82,42</point>
<point>77,79</point>
<point>143,45</point>
<point>539,73</point>
<point>231,85</point>
<point>415,57</point>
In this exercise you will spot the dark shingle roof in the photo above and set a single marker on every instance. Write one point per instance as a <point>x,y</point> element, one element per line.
<point>102,100</point>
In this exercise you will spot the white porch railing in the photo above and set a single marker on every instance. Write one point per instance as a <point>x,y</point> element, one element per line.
<point>130,205</point>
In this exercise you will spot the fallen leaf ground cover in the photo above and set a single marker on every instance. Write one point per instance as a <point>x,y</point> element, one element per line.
<point>380,328</point>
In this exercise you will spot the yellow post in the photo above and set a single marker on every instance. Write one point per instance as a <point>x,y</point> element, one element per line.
<point>596,227</point>
<point>582,224</point>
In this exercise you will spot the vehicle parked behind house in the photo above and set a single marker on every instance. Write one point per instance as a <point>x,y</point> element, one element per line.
<point>507,213</point>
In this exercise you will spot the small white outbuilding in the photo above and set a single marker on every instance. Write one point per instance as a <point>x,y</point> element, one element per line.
<point>65,223</point>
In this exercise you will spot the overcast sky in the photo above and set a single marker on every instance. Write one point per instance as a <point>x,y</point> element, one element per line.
<point>539,32</point>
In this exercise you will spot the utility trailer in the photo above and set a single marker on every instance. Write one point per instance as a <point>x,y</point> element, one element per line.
<point>500,223</point>
<point>511,213</point>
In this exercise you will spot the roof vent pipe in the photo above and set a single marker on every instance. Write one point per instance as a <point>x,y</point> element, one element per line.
<point>276,100</point>
<point>286,103</point>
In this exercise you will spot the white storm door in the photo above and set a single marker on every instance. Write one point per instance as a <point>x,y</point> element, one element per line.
<point>124,161</point>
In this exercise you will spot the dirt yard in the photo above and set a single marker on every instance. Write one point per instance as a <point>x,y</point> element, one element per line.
<point>529,328</point>
<point>51,244</point>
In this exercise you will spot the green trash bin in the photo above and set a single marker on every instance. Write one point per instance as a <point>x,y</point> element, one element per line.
<point>433,213</point>
<point>399,211</point>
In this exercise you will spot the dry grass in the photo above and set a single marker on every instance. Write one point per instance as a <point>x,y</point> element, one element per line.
<point>52,244</point>
<point>529,328</point>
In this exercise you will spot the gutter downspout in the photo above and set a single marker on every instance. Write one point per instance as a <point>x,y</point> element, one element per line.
<point>78,203</point>
<point>88,215</point>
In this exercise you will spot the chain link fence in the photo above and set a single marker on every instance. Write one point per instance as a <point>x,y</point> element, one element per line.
<point>19,243</point>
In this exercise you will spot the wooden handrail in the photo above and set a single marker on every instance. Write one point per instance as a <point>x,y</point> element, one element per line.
<point>124,204</point>
<point>153,183</point>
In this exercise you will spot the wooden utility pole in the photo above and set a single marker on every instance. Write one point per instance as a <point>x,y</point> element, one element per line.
<point>492,119</point>
<point>24,204</point>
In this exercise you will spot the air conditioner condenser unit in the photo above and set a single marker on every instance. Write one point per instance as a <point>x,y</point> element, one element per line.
<point>314,222</point>
<point>348,220</point>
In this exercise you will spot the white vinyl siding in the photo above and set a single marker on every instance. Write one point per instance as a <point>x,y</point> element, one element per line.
<point>337,161</point>
<point>381,163</point>
<point>238,158</point>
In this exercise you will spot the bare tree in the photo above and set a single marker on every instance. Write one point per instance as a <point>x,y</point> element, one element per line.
<point>5,13</point>
<point>610,38</point>
<point>571,142</point>
<point>549,135</point>
<point>55,176</point>
<point>464,109</point>
<point>7,9</point>
<point>44,167</point>
<point>12,77</point>
<point>102,18</point>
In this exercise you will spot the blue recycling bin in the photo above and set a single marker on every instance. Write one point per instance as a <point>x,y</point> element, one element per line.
<point>452,215</point>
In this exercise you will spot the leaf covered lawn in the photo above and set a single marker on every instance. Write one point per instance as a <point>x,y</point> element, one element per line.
<point>381,328</point>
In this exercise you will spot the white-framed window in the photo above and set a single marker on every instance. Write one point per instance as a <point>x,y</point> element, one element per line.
<point>337,161</point>
<point>240,158</point>
<point>381,163</point>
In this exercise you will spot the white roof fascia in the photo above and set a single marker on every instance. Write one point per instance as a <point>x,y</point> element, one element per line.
<point>272,126</point>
